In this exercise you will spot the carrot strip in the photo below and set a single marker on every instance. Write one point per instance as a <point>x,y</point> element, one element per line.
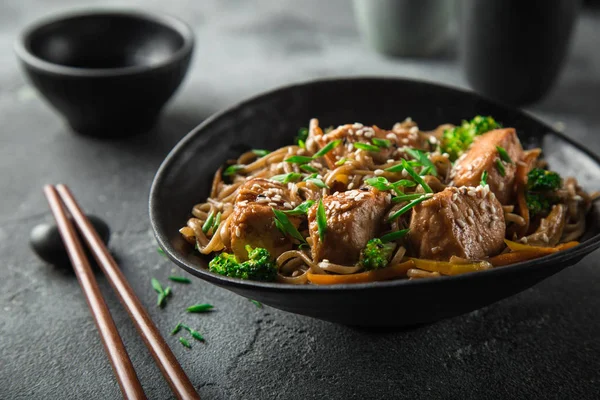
<point>448,268</point>
<point>514,257</point>
<point>516,246</point>
<point>383,274</point>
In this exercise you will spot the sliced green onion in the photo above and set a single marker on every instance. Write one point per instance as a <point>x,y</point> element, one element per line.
<point>404,182</point>
<point>199,308</point>
<point>194,333</point>
<point>484,177</point>
<point>308,168</point>
<point>381,143</point>
<point>321,220</point>
<point>217,221</point>
<point>285,226</point>
<point>416,177</point>
<point>406,197</point>
<point>168,291</point>
<point>233,169</point>
<point>330,146</point>
<point>256,303</point>
<point>209,222</point>
<point>500,168</point>
<point>504,155</point>
<point>179,279</point>
<point>184,342</point>
<point>408,207</point>
<point>286,178</point>
<point>157,286</point>
<point>299,159</point>
<point>379,183</point>
<point>390,237</point>
<point>260,152</point>
<point>302,136</point>
<point>395,168</point>
<point>365,146</point>
<point>301,209</point>
<point>160,301</point>
<point>161,252</point>
<point>177,329</point>
<point>341,161</point>
<point>318,182</point>
<point>424,160</point>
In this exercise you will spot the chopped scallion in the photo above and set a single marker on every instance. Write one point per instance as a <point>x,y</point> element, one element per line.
<point>504,155</point>
<point>283,223</point>
<point>365,146</point>
<point>390,237</point>
<point>416,177</point>
<point>179,279</point>
<point>321,220</point>
<point>500,168</point>
<point>199,308</point>
<point>408,207</point>
<point>330,146</point>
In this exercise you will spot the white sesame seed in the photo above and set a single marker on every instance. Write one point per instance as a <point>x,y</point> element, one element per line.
<point>435,249</point>
<point>454,207</point>
<point>577,198</point>
<point>238,231</point>
<point>359,132</point>
<point>350,185</point>
<point>391,136</point>
<point>460,223</point>
<point>325,260</point>
<point>432,140</point>
<point>408,119</point>
<point>470,212</point>
<point>263,200</point>
<point>454,196</point>
<point>357,125</point>
<point>414,129</point>
<point>273,204</point>
<point>378,172</point>
<point>470,220</point>
<point>501,185</point>
<point>494,217</point>
<point>404,141</point>
<point>524,239</point>
<point>391,160</point>
<point>492,209</point>
<point>482,205</point>
<point>404,173</point>
<point>545,238</point>
<point>480,238</point>
<point>471,193</point>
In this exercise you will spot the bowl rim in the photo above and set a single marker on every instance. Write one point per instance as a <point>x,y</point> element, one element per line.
<point>170,22</point>
<point>561,257</point>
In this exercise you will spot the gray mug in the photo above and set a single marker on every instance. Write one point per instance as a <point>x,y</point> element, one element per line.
<point>405,27</point>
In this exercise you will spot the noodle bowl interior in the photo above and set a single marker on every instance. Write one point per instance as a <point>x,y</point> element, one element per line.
<point>359,203</point>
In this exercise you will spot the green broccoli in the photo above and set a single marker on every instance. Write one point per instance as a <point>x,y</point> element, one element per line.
<point>541,190</point>
<point>458,139</point>
<point>540,179</point>
<point>376,254</point>
<point>259,266</point>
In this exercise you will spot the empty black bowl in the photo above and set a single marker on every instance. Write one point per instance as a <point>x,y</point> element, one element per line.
<point>272,120</point>
<point>109,73</point>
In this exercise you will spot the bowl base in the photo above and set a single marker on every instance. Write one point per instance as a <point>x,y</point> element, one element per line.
<point>118,129</point>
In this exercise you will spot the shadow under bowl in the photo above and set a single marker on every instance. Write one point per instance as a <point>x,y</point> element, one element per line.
<point>272,120</point>
<point>109,73</point>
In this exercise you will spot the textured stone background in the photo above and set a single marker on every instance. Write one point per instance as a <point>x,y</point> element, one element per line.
<point>542,343</point>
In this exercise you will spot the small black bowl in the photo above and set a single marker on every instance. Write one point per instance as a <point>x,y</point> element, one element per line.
<point>109,73</point>
<point>272,120</point>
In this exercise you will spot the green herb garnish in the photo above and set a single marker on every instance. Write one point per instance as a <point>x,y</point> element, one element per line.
<point>330,146</point>
<point>341,161</point>
<point>208,223</point>
<point>179,279</point>
<point>217,221</point>
<point>256,303</point>
<point>382,184</point>
<point>365,146</point>
<point>321,220</point>
<point>286,178</point>
<point>406,197</point>
<point>308,168</point>
<point>416,177</point>
<point>301,209</point>
<point>157,286</point>
<point>260,152</point>
<point>424,160</point>
<point>317,181</point>
<point>160,301</point>
<point>408,207</point>
<point>484,177</point>
<point>194,333</point>
<point>233,169</point>
<point>504,155</point>
<point>161,252</point>
<point>500,168</point>
<point>199,308</point>
<point>184,342</point>
<point>282,222</point>
<point>392,236</point>
<point>302,136</point>
<point>177,329</point>
<point>400,167</point>
<point>381,143</point>
<point>298,159</point>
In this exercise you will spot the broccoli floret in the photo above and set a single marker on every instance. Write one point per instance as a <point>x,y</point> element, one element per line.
<point>539,179</point>
<point>376,254</point>
<point>541,190</point>
<point>259,266</point>
<point>458,139</point>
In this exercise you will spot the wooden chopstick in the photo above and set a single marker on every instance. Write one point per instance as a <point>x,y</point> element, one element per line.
<point>113,345</point>
<point>180,383</point>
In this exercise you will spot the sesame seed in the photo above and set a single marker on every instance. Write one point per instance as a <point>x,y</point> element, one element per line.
<point>454,196</point>
<point>494,217</point>
<point>480,238</point>
<point>545,238</point>
<point>460,223</point>
<point>482,205</point>
<point>492,209</point>
<point>408,119</point>
<point>404,173</point>
<point>577,197</point>
<point>263,200</point>
<point>359,132</point>
<point>350,185</point>
<point>414,129</point>
<point>432,140</point>
<point>471,193</point>
<point>454,207</point>
<point>391,136</point>
<point>357,125</point>
<point>273,204</point>
<point>470,220</point>
<point>436,249</point>
<point>524,239</point>
<point>378,172</point>
<point>501,186</point>
<point>391,160</point>
<point>287,205</point>
<point>238,231</point>
<point>404,141</point>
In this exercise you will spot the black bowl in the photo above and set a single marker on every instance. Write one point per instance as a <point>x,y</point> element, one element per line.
<point>272,120</point>
<point>109,73</point>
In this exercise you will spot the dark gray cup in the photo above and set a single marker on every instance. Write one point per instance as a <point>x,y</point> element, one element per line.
<point>513,50</point>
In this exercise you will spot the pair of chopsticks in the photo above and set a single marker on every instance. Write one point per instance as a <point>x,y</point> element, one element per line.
<point>60,197</point>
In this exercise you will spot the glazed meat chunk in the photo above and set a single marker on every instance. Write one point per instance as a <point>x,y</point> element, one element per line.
<point>466,222</point>
<point>485,156</point>
<point>253,219</point>
<point>353,218</point>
